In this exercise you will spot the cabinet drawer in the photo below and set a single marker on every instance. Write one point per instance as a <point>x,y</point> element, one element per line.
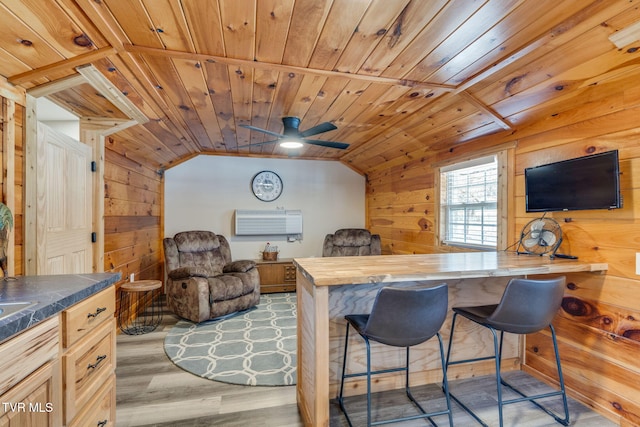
<point>80,319</point>
<point>87,366</point>
<point>101,410</point>
<point>289,273</point>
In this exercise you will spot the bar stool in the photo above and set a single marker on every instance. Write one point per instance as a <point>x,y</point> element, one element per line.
<point>400,317</point>
<point>527,306</point>
<point>135,296</point>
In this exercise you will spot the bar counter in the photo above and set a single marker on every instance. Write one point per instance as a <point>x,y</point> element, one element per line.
<point>329,288</point>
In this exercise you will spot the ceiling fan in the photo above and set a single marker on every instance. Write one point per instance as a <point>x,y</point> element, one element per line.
<point>291,137</point>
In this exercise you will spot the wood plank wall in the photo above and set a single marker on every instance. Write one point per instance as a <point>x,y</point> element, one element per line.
<point>18,192</point>
<point>18,211</point>
<point>598,323</point>
<point>133,209</point>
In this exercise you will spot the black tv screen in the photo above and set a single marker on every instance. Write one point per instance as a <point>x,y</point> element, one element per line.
<point>590,182</point>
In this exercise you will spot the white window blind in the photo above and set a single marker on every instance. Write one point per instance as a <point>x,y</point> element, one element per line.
<point>469,203</point>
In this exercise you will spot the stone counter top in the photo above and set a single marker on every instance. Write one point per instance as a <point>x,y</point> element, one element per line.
<point>51,295</point>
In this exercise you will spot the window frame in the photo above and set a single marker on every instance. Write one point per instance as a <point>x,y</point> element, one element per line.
<point>504,189</point>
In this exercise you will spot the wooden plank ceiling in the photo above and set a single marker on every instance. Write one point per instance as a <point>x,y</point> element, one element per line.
<point>394,76</point>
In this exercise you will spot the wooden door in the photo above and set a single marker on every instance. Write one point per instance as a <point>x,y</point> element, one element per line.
<point>64,206</point>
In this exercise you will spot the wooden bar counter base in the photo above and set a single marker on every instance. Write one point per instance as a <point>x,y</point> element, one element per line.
<point>329,288</point>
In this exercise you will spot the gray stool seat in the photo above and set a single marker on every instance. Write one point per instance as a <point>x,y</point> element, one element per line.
<point>400,317</point>
<point>526,306</point>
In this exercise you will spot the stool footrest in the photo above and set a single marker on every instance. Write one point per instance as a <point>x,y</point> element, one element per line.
<point>477,359</point>
<point>382,371</point>
<point>532,399</point>
<point>516,400</point>
<point>424,414</point>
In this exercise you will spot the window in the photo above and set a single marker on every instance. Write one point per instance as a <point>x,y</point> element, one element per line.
<point>469,203</point>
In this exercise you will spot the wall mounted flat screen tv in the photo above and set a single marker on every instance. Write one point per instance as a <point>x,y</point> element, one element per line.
<point>590,182</point>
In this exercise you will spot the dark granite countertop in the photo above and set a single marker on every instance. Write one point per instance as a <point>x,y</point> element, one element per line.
<point>52,294</point>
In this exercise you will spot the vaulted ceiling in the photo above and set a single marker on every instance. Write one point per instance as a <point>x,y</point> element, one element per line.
<point>394,76</point>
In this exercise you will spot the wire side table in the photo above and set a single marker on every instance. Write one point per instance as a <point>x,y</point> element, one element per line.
<point>135,296</point>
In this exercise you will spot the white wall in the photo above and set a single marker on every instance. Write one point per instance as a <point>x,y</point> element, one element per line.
<point>58,118</point>
<point>69,128</point>
<point>203,193</point>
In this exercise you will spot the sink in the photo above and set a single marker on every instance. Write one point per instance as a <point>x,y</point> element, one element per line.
<point>9,308</point>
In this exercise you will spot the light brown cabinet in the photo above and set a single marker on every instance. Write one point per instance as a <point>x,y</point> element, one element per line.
<point>32,401</point>
<point>62,371</point>
<point>277,276</point>
<point>30,377</point>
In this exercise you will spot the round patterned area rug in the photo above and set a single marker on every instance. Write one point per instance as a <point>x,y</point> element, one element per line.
<point>256,347</point>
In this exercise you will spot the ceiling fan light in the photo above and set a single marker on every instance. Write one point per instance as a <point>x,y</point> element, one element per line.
<point>291,144</point>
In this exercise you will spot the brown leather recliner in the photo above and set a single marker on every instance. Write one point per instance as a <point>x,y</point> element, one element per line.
<point>351,242</point>
<point>202,281</point>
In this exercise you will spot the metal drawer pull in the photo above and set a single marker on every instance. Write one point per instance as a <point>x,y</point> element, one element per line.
<point>99,360</point>
<point>98,311</point>
<point>102,423</point>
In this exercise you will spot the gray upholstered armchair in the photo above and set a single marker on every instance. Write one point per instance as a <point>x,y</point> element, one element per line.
<point>351,242</point>
<point>202,281</point>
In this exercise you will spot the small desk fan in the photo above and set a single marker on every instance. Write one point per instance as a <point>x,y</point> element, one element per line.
<point>540,236</point>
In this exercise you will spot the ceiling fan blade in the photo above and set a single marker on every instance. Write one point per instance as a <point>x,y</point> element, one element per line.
<point>322,127</point>
<point>258,144</point>
<point>330,144</point>
<point>268,132</point>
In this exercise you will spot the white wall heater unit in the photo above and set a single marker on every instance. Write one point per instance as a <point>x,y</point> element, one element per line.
<point>263,223</point>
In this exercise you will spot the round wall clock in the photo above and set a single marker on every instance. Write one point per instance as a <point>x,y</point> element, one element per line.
<point>266,186</point>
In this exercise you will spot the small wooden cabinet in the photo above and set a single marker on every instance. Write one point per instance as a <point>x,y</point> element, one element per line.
<point>277,276</point>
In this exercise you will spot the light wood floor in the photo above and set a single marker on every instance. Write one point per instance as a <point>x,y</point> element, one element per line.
<point>152,391</point>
